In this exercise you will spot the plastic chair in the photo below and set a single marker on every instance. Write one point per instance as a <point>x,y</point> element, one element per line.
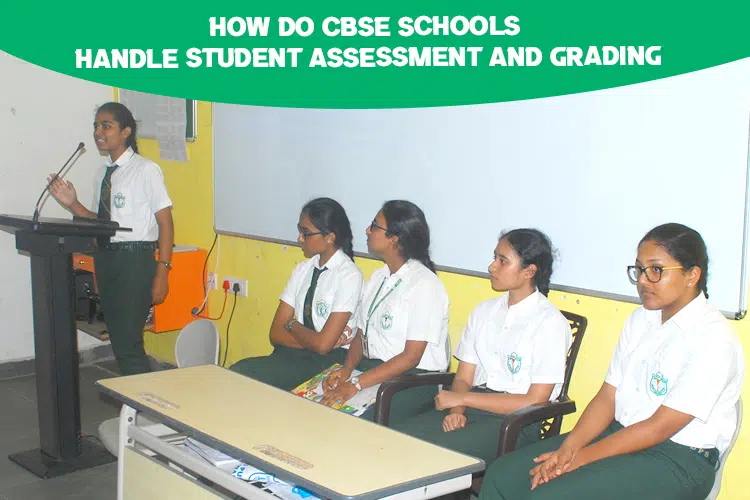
<point>197,344</point>
<point>714,494</point>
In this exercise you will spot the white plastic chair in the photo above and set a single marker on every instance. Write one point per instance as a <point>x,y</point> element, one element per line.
<point>723,458</point>
<point>197,344</point>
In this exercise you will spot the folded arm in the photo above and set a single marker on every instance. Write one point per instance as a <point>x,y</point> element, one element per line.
<point>321,342</point>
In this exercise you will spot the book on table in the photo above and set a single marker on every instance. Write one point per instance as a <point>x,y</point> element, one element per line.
<point>313,390</point>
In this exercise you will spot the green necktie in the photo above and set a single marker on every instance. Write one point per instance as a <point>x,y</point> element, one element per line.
<point>307,311</point>
<point>105,196</point>
<point>105,203</point>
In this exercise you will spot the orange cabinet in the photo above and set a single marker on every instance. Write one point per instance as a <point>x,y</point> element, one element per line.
<point>185,290</point>
<point>185,287</point>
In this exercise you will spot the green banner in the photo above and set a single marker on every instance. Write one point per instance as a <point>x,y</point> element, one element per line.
<point>384,54</point>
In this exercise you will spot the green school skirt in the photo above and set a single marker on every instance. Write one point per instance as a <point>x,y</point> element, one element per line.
<point>667,471</point>
<point>286,367</point>
<point>405,404</point>
<point>478,438</point>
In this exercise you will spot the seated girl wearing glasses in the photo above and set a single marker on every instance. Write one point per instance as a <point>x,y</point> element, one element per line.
<point>317,309</point>
<point>512,354</point>
<point>403,318</point>
<point>666,409</point>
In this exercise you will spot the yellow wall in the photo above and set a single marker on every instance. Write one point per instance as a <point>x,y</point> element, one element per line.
<point>267,266</point>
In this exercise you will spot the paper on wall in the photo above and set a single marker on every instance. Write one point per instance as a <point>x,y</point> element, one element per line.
<point>171,120</point>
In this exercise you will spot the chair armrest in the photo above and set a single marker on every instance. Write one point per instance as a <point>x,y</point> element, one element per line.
<point>388,389</point>
<point>514,422</point>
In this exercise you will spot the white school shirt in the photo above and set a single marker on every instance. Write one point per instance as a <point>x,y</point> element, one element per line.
<point>138,192</point>
<point>516,346</point>
<point>339,289</point>
<point>415,309</point>
<point>693,363</point>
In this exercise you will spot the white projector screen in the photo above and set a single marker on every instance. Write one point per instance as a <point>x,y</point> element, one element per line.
<point>594,171</point>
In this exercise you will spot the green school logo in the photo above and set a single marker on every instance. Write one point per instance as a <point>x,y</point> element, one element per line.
<point>514,363</point>
<point>322,309</point>
<point>119,200</point>
<point>386,321</point>
<point>659,384</point>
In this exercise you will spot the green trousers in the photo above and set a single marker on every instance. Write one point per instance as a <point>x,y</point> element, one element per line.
<point>478,438</point>
<point>125,284</point>
<point>668,471</point>
<point>405,404</point>
<point>286,367</point>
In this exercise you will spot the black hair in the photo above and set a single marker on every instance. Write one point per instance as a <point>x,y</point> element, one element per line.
<point>330,217</point>
<point>407,221</point>
<point>534,247</point>
<point>685,245</point>
<point>124,117</point>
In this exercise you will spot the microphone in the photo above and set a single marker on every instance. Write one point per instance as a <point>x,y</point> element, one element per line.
<point>35,217</point>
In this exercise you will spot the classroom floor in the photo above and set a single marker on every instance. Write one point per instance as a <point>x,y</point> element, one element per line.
<point>19,432</point>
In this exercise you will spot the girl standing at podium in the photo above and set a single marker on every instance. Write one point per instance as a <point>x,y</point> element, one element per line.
<point>403,317</point>
<point>129,190</point>
<point>511,355</point>
<point>318,307</point>
<point>666,409</point>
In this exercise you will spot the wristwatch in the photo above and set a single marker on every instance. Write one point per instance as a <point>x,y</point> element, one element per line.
<point>355,382</point>
<point>166,264</point>
<point>288,326</point>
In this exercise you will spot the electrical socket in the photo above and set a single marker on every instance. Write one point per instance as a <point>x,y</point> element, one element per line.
<point>242,283</point>
<point>212,281</point>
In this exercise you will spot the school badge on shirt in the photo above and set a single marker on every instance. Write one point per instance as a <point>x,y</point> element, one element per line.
<point>659,384</point>
<point>322,309</point>
<point>119,200</point>
<point>386,321</point>
<point>514,363</point>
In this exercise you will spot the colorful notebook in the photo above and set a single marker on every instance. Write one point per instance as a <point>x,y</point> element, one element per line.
<point>313,390</point>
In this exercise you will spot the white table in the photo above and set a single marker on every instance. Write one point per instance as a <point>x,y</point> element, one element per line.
<point>324,451</point>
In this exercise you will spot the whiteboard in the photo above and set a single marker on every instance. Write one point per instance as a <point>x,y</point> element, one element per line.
<point>594,171</point>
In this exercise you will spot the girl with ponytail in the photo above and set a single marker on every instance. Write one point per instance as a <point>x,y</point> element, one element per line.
<point>407,221</point>
<point>315,317</point>
<point>511,355</point>
<point>131,192</point>
<point>403,326</point>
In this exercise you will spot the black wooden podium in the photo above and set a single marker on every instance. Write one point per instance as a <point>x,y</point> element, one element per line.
<point>50,243</point>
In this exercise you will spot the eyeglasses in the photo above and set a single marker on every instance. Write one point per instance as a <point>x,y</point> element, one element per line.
<point>305,233</point>
<point>374,226</point>
<point>653,273</point>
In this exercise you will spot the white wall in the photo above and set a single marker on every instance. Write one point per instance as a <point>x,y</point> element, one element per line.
<point>43,117</point>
